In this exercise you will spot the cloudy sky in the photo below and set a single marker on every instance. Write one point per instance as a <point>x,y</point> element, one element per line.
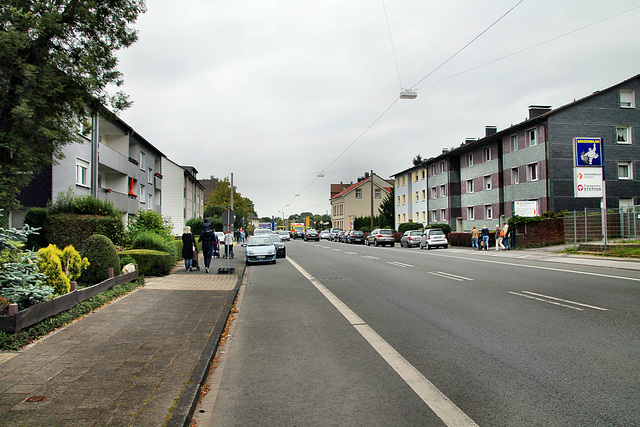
<point>275,91</point>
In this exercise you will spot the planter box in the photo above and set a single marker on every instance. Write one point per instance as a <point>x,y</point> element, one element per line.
<point>37,313</point>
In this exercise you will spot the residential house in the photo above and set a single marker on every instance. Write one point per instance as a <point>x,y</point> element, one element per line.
<point>182,195</point>
<point>410,191</point>
<point>480,181</point>
<point>356,200</point>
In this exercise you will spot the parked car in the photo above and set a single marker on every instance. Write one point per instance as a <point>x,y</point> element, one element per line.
<point>411,238</point>
<point>324,234</point>
<point>281,249</point>
<point>342,238</point>
<point>356,236</point>
<point>262,231</point>
<point>432,238</point>
<point>381,237</point>
<point>284,235</point>
<point>333,233</point>
<point>260,249</point>
<point>311,234</point>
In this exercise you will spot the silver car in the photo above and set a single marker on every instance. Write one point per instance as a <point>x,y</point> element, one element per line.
<point>433,238</point>
<point>411,238</point>
<point>381,237</point>
<point>284,235</point>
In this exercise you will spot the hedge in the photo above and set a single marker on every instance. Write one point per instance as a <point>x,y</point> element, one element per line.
<point>150,262</point>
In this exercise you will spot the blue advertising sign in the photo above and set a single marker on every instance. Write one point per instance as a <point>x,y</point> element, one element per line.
<point>588,152</point>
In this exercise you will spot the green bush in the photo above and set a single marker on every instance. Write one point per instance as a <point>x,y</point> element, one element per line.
<point>446,228</point>
<point>147,220</point>
<point>27,295</point>
<point>36,218</point>
<point>156,242</point>
<point>150,262</point>
<point>406,226</point>
<point>82,205</point>
<point>64,229</point>
<point>125,259</point>
<point>101,253</point>
<point>196,226</point>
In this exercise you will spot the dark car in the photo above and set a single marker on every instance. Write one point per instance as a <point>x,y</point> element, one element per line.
<point>281,249</point>
<point>311,234</point>
<point>356,236</point>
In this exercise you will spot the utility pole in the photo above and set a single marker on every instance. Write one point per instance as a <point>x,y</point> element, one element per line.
<point>371,178</point>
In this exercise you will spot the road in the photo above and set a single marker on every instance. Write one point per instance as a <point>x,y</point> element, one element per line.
<point>354,335</point>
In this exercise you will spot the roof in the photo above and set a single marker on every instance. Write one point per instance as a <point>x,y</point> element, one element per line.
<point>358,184</point>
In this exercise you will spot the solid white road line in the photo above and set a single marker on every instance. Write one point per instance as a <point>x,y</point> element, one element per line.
<point>547,301</point>
<point>440,404</point>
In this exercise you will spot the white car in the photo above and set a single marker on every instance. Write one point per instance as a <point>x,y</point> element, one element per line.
<point>432,238</point>
<point>284,235</point>
<point>260,249</point>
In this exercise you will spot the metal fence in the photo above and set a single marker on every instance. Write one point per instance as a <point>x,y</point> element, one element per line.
<point>620,225</point>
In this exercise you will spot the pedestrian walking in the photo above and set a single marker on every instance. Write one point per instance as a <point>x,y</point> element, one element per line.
<point>485,238</point>
<point>506,242</point>
<point>499,237</point>
<point>208,238</point>
<point>228,245</point>
<point>475,233</point>
<point>188,247</point>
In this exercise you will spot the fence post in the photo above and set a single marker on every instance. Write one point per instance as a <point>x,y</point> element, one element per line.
<point>110,272</point>
<point>575,232</point>
<point>74,286</point>
<point>12,310</point>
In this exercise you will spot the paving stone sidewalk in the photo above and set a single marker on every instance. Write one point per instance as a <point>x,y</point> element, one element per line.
<point>137,362</point>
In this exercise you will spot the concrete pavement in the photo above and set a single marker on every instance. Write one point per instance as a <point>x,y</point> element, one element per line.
<point>137,362</point>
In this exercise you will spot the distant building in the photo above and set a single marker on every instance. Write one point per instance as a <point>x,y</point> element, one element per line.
<point>182,195</point>
<point>480,181</point>
<point>356,200</point>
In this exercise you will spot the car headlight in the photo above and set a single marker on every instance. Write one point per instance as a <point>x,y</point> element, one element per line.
<point>271,252</point>
<point>250,253</point>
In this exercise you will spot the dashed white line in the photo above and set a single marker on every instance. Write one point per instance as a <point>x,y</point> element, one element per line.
<point>566,300</point>
<point>370,257</point>
<point>450,276</point>
<point>400,264</point>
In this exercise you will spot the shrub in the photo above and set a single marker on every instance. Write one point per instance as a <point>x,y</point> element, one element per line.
<point>147,220</point>
<point>446,228</point>
<point>73,229</point>
<point>156,242</point>
<point>50,265</point>
<point>82,205</point>
<point>125,259</point>
<point>36,218</point>
<point>196,226</point>
<point>73,263</point>
<point>27,295</point>
<point>406,226</point>
<point>4,306</point>
<point>101,253</point>
<point>150,262</point>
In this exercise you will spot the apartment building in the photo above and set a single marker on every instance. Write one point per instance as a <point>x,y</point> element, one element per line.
<point>480,181</point>
<point>356,200</point>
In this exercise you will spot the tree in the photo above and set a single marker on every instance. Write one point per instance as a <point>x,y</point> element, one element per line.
<point>57,64</point>
<point>387,209</point>
<point>418,160</point>
<point>220,200</point>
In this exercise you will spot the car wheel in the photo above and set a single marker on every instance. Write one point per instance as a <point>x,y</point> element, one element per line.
<point>428,247</point>
<point>375,243</point>
<point>445,246</point>
<point>393,245</point>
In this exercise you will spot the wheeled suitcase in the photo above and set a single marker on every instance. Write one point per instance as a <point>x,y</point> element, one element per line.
<point>194,261</point>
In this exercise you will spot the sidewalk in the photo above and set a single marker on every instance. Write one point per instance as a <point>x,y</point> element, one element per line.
<point>138,361</point>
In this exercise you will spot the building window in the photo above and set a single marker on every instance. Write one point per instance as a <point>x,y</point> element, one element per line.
<point>377,193</point>
<point>514,142</point>
<point>487,182</point>
<point>623,134</point>
<point>404,217</point>
<point>142,198</point>
<point>417,217</point>
<point>417,196</point>
<point>434,193</point>
<point>443,214</point>
<point>470,213</point>
<point>424,194</point>
<point>488,212</point>
<point>150,201</point>
<point>424,173</point>
<point>433,170</point>
<point>150,176</point>
<point>625,170</point>
<point>82,172</point>
<point>398,203</point>
<point>404,199</point>
<point>404,179</point>
<point>470,186</point>
<point>533,172</point>
<point>531,136</point>
<point>627,99</point>
<point>486,154</point>
<point>434,216</point>
<point>515,176</point>
<point>470,159</point>
<point>443,191</point>
<point>141,160</point>
<point>417,179</point>
<point>442,167</point>
<point>359,193</point>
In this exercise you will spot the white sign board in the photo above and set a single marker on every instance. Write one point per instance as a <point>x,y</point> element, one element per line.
<point>527,208</point>
<point>587,182</point>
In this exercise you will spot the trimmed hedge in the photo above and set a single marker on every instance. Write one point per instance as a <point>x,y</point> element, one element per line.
<point>150,262</point>
<point>71,229</point>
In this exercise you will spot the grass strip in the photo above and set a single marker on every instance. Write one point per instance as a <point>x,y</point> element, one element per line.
<point>14,342</point>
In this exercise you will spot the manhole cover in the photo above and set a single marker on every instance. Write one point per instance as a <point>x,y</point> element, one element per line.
<point>36,399</point>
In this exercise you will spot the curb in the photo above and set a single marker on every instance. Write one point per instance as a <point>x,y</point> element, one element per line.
<point>188,400</point>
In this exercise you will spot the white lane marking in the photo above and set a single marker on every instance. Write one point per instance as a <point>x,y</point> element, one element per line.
<point>400,264</point>
<point>452,276</point>
<point>337,250</point>
<point>440,404</point>
<point>446,277</point>
<point>538,267</point>
<point>547,301</point>
<point>370,257</point>
<point>566,300</point>
<point>351,253</point>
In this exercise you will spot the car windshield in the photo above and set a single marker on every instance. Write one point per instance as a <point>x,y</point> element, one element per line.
<point>385,231</point>
<point>415,233</point>
<point>435,232</point>
<point>260,241</point>
<point>275,238</point>
<point>357,233</point>
<point>282,232</point>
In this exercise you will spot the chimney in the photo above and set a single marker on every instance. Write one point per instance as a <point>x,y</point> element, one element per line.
<point>538,110</point>
<point>445,150</point>
<point>469,140</point>
<point>490,130</point>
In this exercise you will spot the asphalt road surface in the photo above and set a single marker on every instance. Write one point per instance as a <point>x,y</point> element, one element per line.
<point>352,335</point>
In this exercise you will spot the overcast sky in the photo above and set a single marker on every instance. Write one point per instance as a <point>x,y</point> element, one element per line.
<point>274,91</point>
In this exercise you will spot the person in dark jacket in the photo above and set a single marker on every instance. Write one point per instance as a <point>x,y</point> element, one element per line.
<point>188,246</point>
<point>485,238</point>
<point>208,238</point>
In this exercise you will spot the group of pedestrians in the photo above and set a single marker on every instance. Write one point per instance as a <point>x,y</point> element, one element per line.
<point>480,238</point>
<point>210,246</point>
